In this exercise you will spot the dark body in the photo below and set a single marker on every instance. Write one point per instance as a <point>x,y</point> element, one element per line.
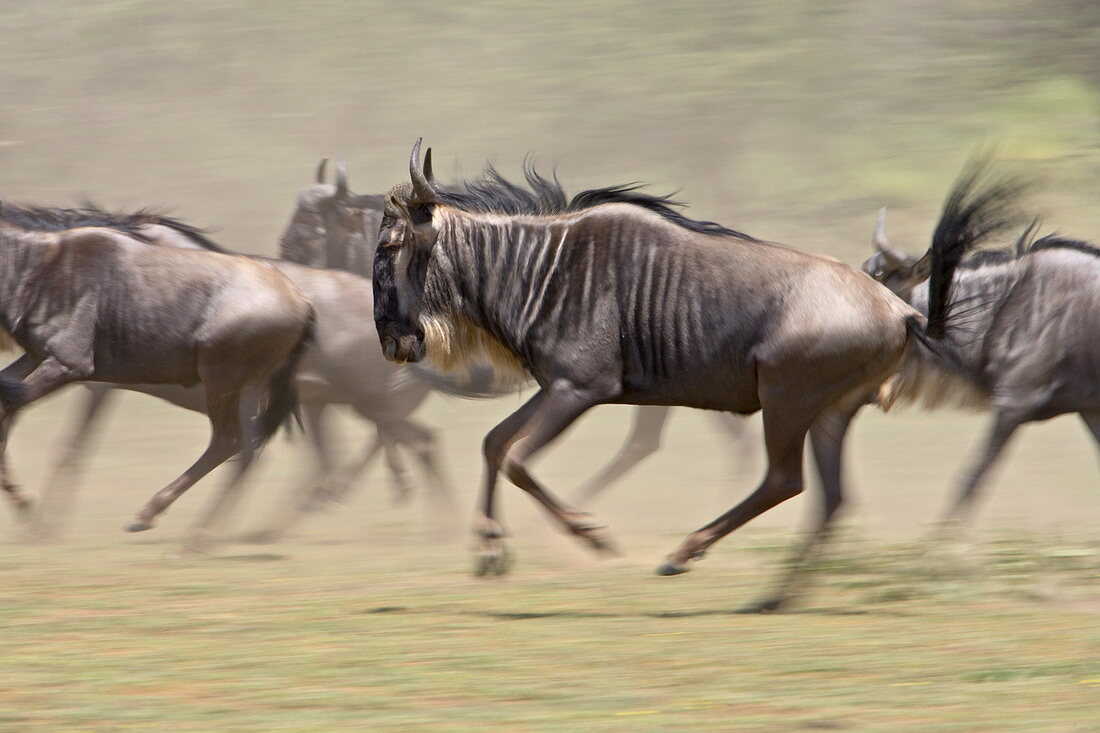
<point>342,365</point>
<point>1024,325</point>
<point>615,297</point>
<point>90,300</point>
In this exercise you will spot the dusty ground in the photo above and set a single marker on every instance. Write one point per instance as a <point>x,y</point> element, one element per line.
<point>362,622</point>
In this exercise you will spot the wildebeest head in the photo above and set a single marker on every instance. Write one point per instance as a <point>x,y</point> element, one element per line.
<point>332,228</point>
<point>894,269</point>
<point>405,242</point>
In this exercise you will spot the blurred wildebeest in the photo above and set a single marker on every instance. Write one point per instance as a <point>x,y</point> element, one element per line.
<point>616,297</point>
<point>341,365</point>
<point>88,299</point>
<point>332,228</point>
<point>1023,321</point>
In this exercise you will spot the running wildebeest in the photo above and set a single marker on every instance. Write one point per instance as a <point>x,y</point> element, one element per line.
<point>334,228</point>
<point>1024,321</point>
<point>616,297</point>
<point>88,300</point>
<point>341,365</point>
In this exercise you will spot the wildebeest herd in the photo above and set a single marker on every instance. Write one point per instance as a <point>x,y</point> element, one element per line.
<point>611,296</point>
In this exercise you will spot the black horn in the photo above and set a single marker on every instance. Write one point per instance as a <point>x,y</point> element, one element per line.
<point>422,187</point>
<point>341,180</point>
<point>321,170</point>
<point>428,173</point>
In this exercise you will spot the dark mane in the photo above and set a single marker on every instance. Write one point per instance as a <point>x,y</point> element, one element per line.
<point>492,193</point>
<point>46,219</point>
<point>1053,241</point>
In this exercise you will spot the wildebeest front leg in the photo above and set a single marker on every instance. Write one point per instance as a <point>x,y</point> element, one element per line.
<point>421,441</point>
<point>21,383</point>
<point>57,493</point>
<point>491,550</point>
<point>643,441</point>
<point>562,405</point>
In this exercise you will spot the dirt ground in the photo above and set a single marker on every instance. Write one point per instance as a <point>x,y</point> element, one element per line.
<point>366,621</point>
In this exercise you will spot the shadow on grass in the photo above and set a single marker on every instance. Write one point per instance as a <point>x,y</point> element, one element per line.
<point>536,615</point>
<point>251,557</point>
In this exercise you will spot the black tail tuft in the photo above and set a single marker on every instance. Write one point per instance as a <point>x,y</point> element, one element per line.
<point>981,204</point>
<point>282,402</point>
<point>918,327</point>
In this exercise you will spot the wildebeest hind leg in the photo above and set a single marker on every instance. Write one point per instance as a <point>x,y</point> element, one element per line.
<point>562,405</point>
<point>248,418</point>
<point>827,441</point>
<point>1005,424</point>
<point>225,441</point>
<point>314,492</point>
<point>785,428</point>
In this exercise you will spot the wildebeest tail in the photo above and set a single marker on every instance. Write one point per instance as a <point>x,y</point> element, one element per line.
<point>482,382</point>
<point>932,374</point>
<point>282,401</point>
<point>980,205</point>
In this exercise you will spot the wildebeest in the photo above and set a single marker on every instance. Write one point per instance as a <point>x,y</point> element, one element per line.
<point>342,365</point>
<point>1022,321</point>
<point>332,228</point>
<point>615,296</point>
<point>88,300</point>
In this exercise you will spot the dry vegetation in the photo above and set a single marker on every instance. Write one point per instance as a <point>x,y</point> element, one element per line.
<point>792,121</point>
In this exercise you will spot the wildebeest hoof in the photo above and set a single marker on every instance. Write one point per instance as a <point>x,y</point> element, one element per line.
<point>188,552</point>
<point>494,562</point>
<point>24,505</point>
<point>670,568</point>
<point>139,525</point>
<point>261,537</point>
<point>596,535</point>
<point>770,605</point>
<point>602,544</point>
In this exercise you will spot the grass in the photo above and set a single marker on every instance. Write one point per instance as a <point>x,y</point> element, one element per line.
<point>336,637</point>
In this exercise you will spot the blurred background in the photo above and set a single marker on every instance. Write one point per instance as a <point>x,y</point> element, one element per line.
<point>791,121</point>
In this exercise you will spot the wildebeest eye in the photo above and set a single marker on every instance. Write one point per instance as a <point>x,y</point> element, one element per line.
<point>879,274</point>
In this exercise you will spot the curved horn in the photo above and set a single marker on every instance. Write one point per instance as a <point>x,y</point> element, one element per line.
<point>428,173</point>
<point>881,241</point>
<point>321,170</point>
<point>422,188</point>
<point>341,181</point>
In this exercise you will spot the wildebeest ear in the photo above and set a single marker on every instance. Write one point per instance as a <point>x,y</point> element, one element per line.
<point>922,268</point>
<point>422,190</point>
